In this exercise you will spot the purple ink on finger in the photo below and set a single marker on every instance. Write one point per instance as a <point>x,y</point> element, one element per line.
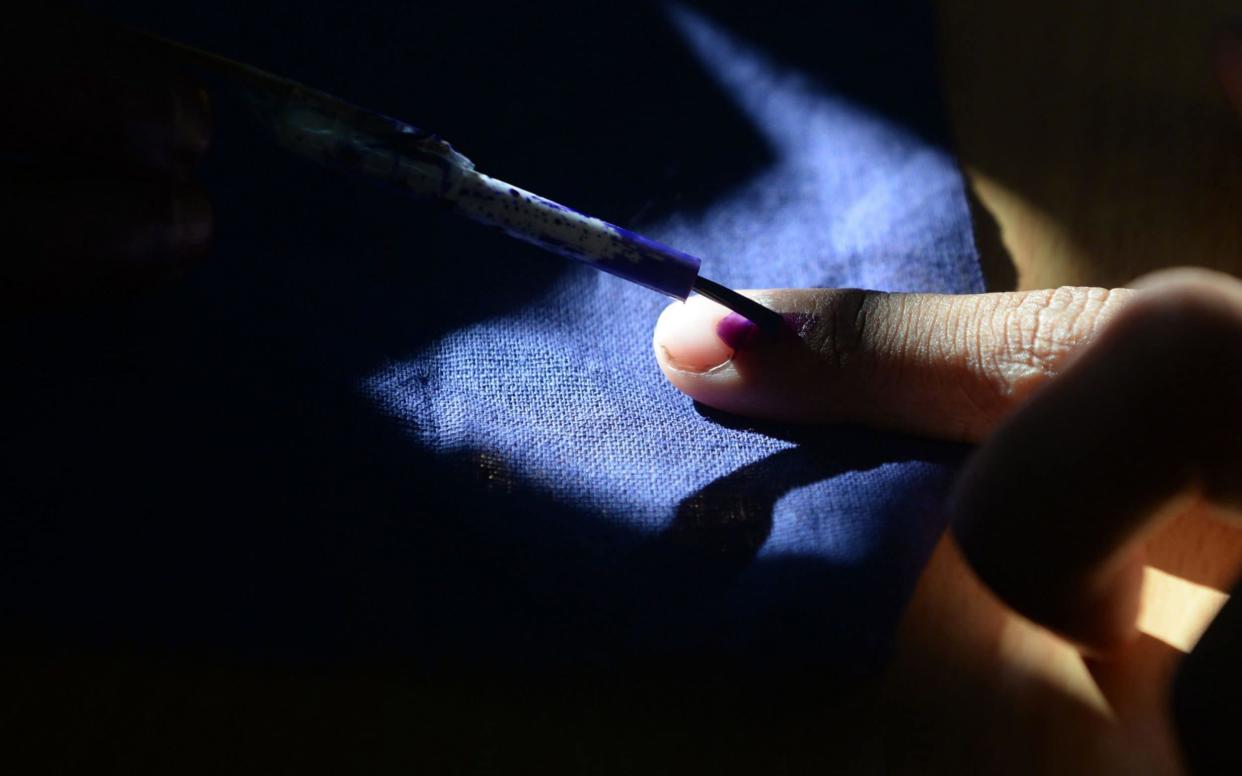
<point>736,330</point>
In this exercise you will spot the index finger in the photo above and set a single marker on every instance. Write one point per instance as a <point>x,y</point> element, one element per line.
<point>947,366</point>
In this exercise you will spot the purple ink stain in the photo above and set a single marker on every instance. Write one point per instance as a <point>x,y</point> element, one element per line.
<point>736,330</point>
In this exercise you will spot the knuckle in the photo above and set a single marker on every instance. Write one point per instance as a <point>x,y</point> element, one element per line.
<point>845,331</point>
<point>1035,337</point>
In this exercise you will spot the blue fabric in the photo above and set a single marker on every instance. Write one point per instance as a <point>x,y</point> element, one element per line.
<point>370,428</point>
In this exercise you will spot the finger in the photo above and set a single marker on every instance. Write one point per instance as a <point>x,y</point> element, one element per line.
<point>1229,66</point>
<point>1146,423</point>
<point>944,366</point>
<point>74,239</point>
<point>81,97</point>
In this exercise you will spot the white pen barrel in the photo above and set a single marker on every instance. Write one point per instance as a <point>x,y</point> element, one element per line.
<point>563,230</point>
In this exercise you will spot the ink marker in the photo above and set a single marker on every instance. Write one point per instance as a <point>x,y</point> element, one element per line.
<point>335,133</point>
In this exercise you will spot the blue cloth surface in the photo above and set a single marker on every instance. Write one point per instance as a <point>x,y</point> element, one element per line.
<point>369,428</point>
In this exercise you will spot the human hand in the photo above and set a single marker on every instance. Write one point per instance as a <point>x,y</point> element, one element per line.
<point>98,141</point>
<point>1101,413</point>
<point>961,368</point>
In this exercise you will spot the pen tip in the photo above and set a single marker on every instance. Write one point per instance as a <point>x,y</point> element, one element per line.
<point>767,319</point>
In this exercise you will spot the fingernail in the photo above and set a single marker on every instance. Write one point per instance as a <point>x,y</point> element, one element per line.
<point>689,333</point>
<point>736,330</point>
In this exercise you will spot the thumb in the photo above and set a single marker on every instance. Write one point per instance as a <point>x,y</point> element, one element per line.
<point>944,366</point>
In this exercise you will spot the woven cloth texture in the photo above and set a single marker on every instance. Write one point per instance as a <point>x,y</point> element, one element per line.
<point>367,427</point>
